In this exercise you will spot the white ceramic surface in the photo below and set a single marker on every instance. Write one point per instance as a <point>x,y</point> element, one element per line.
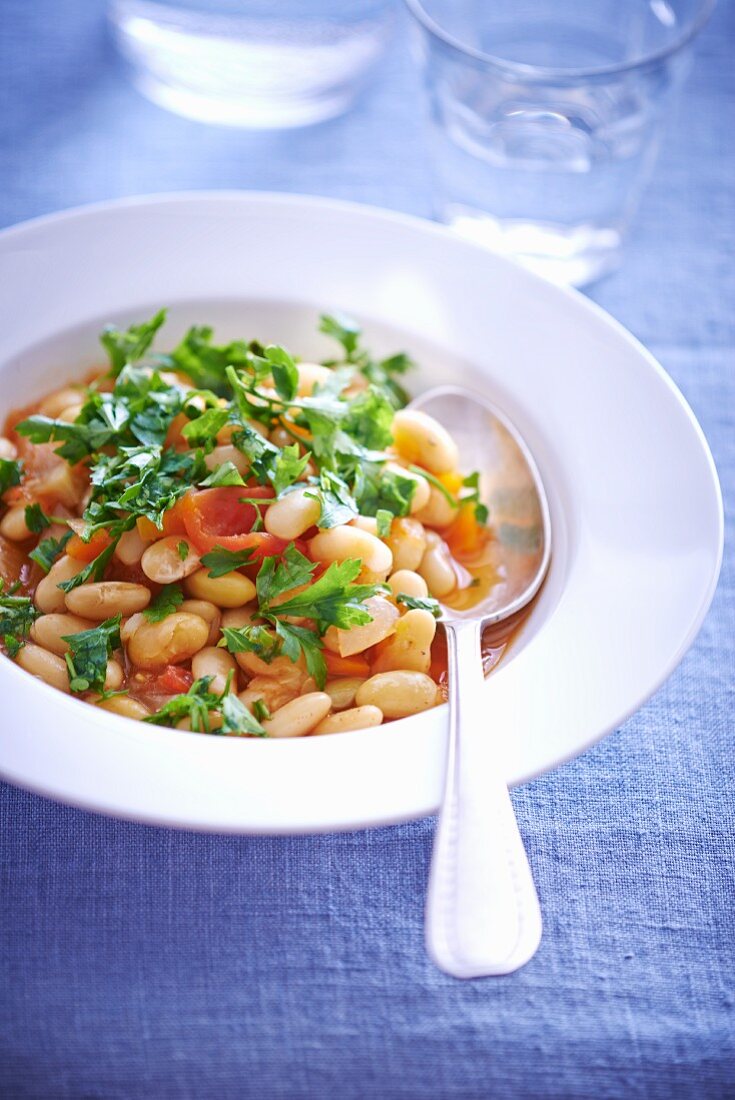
<point>635,502</point>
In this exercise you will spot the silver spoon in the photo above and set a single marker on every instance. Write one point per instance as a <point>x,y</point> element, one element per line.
<point>482,912</point>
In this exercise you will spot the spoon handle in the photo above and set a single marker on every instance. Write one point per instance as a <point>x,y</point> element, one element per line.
<point>482,913</point>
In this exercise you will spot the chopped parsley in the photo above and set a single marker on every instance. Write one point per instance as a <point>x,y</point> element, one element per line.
<point>17,615</point>
<point>36,519</point>
<point>220,561</point>
<point>198,703</point>
<point>48,550</point>
<point>10,473</point>
<point>164,604</point>
<point>89,652</point>
<point>422,603</point>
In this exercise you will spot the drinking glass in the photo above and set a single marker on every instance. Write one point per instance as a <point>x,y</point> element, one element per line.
<point>545,119</point>
<point>252,63</point>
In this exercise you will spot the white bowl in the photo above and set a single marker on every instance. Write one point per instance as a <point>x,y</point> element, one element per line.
<point>635,502</point>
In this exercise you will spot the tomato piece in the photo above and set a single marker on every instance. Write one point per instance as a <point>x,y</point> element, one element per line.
<point>219,517</point>
<point>173,681</point>
<point>346,666</point>
<point>87,551</point>
<point>173,523</point>
<point>465,536</point>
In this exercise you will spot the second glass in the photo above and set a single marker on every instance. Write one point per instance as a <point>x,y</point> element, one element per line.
<point>546,118</point>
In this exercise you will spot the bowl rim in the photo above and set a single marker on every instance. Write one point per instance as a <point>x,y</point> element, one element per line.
<point>417,224</point>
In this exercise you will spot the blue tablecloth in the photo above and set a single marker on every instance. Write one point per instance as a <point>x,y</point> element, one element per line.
<point>141,962</point>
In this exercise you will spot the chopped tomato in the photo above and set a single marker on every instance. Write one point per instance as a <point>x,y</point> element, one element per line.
<point>173,681</point>
<point>88,551</point>
<point>219,517</point>
<point>346,666</point>
<point>173,523</point>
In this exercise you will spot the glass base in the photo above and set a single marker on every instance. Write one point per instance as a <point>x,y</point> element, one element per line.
<point>253,114</point>
<point>568,255</point>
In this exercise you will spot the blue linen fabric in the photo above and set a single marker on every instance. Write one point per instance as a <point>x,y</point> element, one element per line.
<point>144,962</point>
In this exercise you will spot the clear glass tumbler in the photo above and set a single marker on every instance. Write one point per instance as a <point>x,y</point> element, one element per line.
<point>546,116</point>
<point>251,63</point>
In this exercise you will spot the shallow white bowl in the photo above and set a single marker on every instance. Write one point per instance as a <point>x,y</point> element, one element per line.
<point>635,502</point>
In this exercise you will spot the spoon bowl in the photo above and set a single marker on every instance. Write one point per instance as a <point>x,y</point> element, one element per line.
<point>482,915</point>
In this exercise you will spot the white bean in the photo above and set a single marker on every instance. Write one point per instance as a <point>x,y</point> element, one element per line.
<point>438,511</point>
<point>436,566</point>
<point>48,667</point>
<point>410,646</point>
<point>385,616</point>
<point>175,639</point>
<point>422,489</point>
<point>7,449</point>
<point>13,524</point>
<point>169,559</point>
<point>124,706</point>
<point>407,541</point>
<point>399,693</point>
<point>131,547</point>
<point>292,514</point>
<point>343,543</point>
<point>342,690</point>
<point>207,611</point>
<point>48,597</point>
<point>49,630</point>
<point>298,717</point>
<point>422,440</point>
<point>406,582</point>
<point>231,590</point>
<point>103,599</point>
<point>227,453</point>
<point>217,663</point>
<point>357,718</point>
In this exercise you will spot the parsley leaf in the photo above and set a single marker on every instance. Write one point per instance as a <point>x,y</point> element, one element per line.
<point>89,652</point>
<point>206,363</point>
<point>165,603</point>
<point>196,705</point>
<point>202,431</point>
<point>36,519</point>
<point>378,489</point>
<point>95,569</point>
<point>337,502</point>
<point>284,371</point>
<point>449,497</point>
<point>472,482</point>
<point>251,638</point>
<point>225,474</point>
<point>48,550</point>
<point>296,640</point>
<point>332,600</point>
<point>131,344</point>
<point>10,471</point>
<point>17,615</point>
<point>384,520</point>
<point>220,561</point>
<point>423,603</point>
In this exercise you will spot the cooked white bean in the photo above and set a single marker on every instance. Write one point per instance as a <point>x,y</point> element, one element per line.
<point>59,400</point>
<point>103,599</point>
<point>131,547</point>
<point>124,706</point>
<point>399,693</point>
<point>48,667</point>
<point>279,667</point>
<point>292,514</point>
<point>49,630</point>
<point>342,690</point>
<point>7,449</point>
<point>227,453</point>
<point>71,412</point>
<point>48,597</point>
<point>366,523</point>
<point>237,616</point>
<point>169,559</point>
<point>214,719</point>
<point>298,717</point>
<point>408,583</point>
<point>422,440</point>
<point>311,375</point>
<point>438,511</point>
<point>207,611</point>
<point>231,590</point>
<point>407,540</point>
<point>410,646</point>
<point>114,675</point>
<point>342,543</point>
<point>280,436</point>
<point>175,639</point>
<point>436,566</point>
<point>217,663</point>
<point>385,616</point>
<point>13,524</point>
<point>225,434</point>
<point>357,718</point>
